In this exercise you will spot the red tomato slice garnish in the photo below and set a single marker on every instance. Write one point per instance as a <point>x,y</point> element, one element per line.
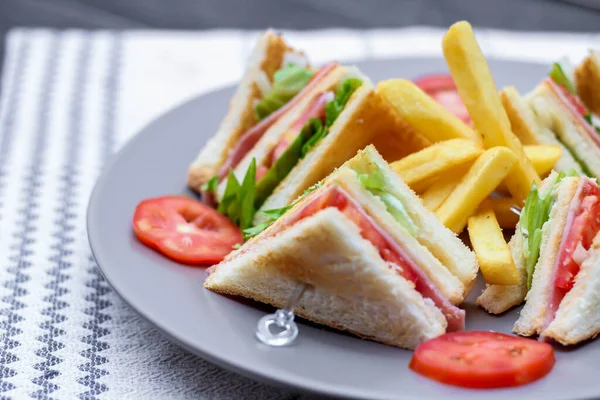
<point>442,89</point>
<point>481,359</point>
<point>185,230</point>
<point>585,226</point>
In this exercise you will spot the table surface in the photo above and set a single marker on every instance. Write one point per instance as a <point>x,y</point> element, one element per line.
<point>557,15</point>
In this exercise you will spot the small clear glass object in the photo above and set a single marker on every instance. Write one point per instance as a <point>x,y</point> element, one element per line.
<point>516,210</point>
<point>279,329</point>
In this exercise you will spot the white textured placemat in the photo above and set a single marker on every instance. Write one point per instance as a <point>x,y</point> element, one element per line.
<point>69,100</point>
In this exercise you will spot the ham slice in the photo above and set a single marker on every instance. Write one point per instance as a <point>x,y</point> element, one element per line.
<point>574,106</point>
<point>389,250</point>
<point>315,110</point>
<point>249,139</point>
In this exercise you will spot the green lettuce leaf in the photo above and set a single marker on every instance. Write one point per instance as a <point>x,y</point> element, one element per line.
<point>558,75</point>
<point>230,195</point>
<point>395,207</point>
<point>342,95</point>
<point>374,182</point>
<point>318,132</point>
<point>533,217</point>
<point>332,110</point>
<point>287,82</point>
<point>282,166</point>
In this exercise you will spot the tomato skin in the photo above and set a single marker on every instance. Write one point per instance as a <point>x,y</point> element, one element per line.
<point>442,89</point>
<point>185,230</point>
<point>483,359</point>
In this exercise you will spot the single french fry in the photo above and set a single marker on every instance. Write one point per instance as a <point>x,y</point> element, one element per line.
<point>442,187</point>
<point>495,261</point>
<point>543,158</point>
<point>425,114</point>
<point>507,219</point>
<point>483,177</point>
<point>477,89</point>
<point>425,165</point>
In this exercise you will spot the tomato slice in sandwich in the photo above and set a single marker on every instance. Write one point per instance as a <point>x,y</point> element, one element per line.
<point>185,230</point>
<point>442,89</point>
<point>483,359</point>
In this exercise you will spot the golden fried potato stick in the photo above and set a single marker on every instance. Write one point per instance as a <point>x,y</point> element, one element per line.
<point>426,115</point>
<point>477,89</point>
<point>543,157</point>
<point>495,261</point>
<point>483,177</point>
<point>420,169</point>
<point>434,196</point>
<point>507,219</point>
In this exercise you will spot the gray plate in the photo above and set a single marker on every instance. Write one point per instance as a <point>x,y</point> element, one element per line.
<point>221,329</point>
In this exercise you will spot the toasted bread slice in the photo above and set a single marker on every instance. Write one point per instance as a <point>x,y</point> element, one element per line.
<point>524,124</point>
<point>351,286</point>
<point>267,57</point>
<point>533,314</point>
<point>553,115</point>
<point>578,317</point>
<point>587,81</point>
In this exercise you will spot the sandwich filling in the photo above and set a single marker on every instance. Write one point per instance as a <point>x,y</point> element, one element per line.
<point>240,201</point>
<point>576,108</point>
<point>582,225</point>
<point>388,249</point>
<point>249,139</point>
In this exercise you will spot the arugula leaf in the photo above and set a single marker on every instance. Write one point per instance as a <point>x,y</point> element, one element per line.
<point>274,214</point>
<point>211,185</point>
<point>237,203</point>
<point>558,75</point>
<point>246,196</point>
<point>255,230</point>
<point>287,82</point>
<point>230,195</point>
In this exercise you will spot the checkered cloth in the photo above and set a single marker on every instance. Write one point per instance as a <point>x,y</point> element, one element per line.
<point>69,100</point>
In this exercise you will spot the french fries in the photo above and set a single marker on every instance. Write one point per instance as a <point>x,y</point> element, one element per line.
<point>443,186</point>
<point>429,117</point>
<point>492,252</point>
<point>507,219</point>
<point>543,157</point>
<point>420,169</point>
<point>477,89</point>
<point>483,177</point>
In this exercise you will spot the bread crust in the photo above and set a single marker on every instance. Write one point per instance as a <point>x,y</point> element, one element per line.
<point>529,130</point>
<point>533,314</point>
<point>587,81</point>
<point>352,288</point>
<point>266,58</point>
<point>578,316</point>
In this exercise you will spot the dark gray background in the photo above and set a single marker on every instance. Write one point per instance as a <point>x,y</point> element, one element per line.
<point>572,15</point>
